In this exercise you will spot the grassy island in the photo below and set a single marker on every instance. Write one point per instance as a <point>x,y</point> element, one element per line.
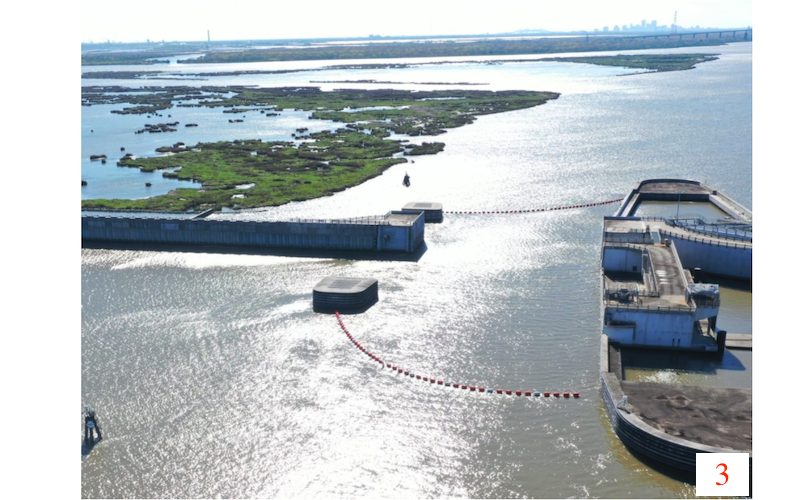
<point>253,173</point>
<point>653,62</point>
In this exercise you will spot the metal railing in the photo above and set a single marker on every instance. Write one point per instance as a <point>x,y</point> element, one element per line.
<point>725,231</point>
<point>649,275</point>
<point>720,228</point>
<point>375,220</point>
<point>657,309</point>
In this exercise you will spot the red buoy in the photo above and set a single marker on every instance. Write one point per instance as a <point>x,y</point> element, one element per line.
<point>481,389</point>
<point>440,382</point>
<point>472,388</point>
<point>566,394</point>
<point>576,394</point>
<point>527,393</point>
<point>547,394</point>
<point>424,379</point>
<point>519,393</point>
<point>555,394</point>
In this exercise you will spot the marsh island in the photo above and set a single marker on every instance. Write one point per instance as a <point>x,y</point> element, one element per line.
<point>251,173</point>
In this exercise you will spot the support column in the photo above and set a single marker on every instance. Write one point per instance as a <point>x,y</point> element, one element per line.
<point>722,335</point>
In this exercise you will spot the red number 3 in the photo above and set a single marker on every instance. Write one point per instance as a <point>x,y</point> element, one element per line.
<point>723,474</point>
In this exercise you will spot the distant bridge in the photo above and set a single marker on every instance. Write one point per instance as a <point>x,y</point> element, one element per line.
<point>745,34</point>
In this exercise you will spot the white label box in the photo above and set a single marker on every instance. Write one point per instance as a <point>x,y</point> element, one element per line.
<point>722,474</point>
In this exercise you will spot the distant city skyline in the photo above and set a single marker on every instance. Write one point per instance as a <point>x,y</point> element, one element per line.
<point>184,20</point>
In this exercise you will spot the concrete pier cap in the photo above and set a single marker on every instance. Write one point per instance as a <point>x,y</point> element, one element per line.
<point>432,210</point>
<point>345,294</point>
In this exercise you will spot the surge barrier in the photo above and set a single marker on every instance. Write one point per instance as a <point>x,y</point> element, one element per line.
<point>431,380</point>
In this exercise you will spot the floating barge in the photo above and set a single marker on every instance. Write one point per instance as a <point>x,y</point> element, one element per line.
<point>651,302</point>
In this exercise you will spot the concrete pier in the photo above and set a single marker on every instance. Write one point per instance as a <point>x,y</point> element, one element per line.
<point>433,211</point>
<point>345,295</point>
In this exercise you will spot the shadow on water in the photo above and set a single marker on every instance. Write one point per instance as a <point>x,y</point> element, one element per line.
<point>683,361</point>
<point>88,445</point>
<point>277,252</point>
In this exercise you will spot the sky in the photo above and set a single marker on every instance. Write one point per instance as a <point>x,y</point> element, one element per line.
<point>192,20</point>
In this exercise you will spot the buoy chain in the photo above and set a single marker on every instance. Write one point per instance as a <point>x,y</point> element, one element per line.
<point>551,209</point>
<point>410,374</point>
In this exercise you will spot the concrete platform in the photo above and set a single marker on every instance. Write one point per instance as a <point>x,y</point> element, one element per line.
<point>671,423</point>
<point>710,416</point>
<point>741,341</point>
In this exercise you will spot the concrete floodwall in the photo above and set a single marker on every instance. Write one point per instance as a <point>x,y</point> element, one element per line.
<point>624,259</point>
<point>306,235</point>
<point>732,260</point>
<point>663,327</point>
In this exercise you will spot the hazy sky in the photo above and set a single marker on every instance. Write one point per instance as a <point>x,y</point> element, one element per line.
<point>188,20</point>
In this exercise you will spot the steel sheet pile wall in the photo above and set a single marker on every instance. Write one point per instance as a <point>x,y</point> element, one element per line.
<point>313,235</point>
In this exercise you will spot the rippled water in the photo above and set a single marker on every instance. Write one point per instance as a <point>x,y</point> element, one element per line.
<point>212,376</point>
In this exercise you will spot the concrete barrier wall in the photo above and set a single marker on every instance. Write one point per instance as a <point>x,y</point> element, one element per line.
<point>310,235</point>
<point>622,259</point>
<point>634,198</point>
<point>671,329</point>
<point>733,261</point>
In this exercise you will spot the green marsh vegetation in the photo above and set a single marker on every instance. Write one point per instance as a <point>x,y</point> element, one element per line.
<point>252,173</point>
<point>653,62</point>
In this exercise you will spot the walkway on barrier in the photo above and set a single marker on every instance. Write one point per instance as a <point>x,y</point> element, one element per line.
<point>430,380</point>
